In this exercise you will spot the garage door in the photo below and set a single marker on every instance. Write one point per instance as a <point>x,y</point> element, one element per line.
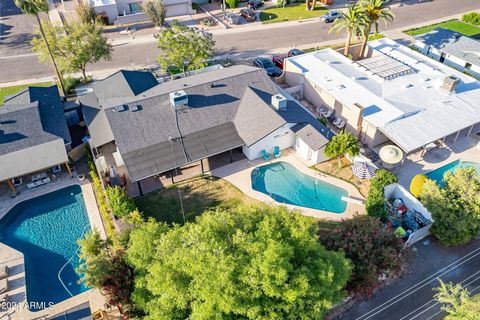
<point>177,9</point>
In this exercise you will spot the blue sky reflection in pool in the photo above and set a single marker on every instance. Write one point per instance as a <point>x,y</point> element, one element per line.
<point>285,184</point>
<point>46,229</point>
<point>437,174</point>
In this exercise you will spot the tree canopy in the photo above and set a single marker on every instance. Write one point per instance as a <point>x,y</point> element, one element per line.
<point>373,250</point>
<point>353,21</point>
<point>375,201</point>
<point>155,10</point>
<point>455,208</point>
<point>375,10</point>
<point>458,302</point>
<point>74,46</point>
<point>341,144</point>
<point>184,48</point>
<point>249,262</point>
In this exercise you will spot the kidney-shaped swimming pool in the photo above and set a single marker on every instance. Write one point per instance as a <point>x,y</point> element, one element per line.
<point>285,184</point>
<point>46,229</point>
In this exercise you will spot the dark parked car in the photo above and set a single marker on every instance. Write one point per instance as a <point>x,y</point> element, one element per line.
<point>248,14</point>
<point>255,4</point>
<point>295,52</point>
<point>269,67</point>
<point>278,61</point>
<point>331,16</point>
<point>232,18</point>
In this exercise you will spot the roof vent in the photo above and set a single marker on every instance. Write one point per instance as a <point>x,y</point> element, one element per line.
<point>279,102</point>
<point>450,83</point>
<point>178,98</point>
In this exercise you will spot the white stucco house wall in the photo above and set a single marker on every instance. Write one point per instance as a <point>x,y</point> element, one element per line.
<point>129,11</point>
<point>451,48</point>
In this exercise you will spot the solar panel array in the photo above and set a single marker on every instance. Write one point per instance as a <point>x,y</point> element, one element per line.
<point>385,67</point>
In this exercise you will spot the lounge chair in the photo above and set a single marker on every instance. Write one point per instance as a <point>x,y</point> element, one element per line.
<point>4,286</point>
<point>276,152</point>
<point>265,155</point>
<point>339,123</point>
<point>327,114</point>
<point>3,272</point>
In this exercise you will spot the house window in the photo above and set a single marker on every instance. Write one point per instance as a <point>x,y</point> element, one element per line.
<point>134,6</point>
<point>468,65</point>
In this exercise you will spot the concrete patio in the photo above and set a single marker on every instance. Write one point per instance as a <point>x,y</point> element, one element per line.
<point>239,174</point>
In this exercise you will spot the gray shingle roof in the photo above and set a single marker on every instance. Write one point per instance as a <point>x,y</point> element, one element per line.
<point>314,139</point>
<point>21,128</point>
<point>50,108</point>
<point>453,43</point>
<point>226,108</point>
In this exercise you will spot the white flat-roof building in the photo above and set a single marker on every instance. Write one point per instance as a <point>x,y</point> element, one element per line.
<point>395,94</point>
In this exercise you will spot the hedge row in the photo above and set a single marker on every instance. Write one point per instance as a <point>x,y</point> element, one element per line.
<point>472,18</point>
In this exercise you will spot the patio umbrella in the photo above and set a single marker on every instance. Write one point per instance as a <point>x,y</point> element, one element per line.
<point>363,170</point>
<point>391,154</point>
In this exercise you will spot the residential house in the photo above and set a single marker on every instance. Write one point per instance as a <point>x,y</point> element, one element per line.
<point>34,135</point>
<point>129,11</point>
<point>146,130</point>
<point>451,48</point>
<point>396,95</point>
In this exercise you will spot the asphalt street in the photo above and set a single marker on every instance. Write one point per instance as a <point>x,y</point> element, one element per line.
<point>411,297</point>
<point>18,63</point>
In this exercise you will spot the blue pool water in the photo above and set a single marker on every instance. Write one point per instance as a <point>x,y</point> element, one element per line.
<point>285,184</point>
<point>46,229</point>
<point>437,174</point>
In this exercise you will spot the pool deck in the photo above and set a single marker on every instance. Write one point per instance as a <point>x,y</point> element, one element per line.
<point>14,259</point>
<point>239,174</point>
<point>464,149</point>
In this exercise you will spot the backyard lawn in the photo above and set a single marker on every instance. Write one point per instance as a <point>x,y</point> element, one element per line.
<point>198,194</point>
<point>344,172</point>
<point>6,91</point>
<point>290,13</point>
<point>454,25</point>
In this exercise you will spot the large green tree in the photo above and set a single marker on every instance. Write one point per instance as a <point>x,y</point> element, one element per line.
<point>373,250</point>
<point>375,203</point>
<point>341,144</point>
<point>353,21</point>
<point>155,10</point>
<point>34,7</point>
<point>74,46</point>
<point>455,207</point>
<point>184,48</point>
<point>457,302</point>
<point>249,263</point>
<point>375,10</point>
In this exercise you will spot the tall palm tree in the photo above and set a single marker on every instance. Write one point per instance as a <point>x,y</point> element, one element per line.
<point>353,21</point>
<point>375,10</point>
<point>34,7</point>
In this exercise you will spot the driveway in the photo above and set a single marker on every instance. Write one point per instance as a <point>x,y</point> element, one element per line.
<point>411,297</point>
<point>15,29</point>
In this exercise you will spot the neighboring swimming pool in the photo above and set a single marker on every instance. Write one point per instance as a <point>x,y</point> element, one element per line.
<point>285,184</point>
<point>46,229</point>
<point>437,174</point>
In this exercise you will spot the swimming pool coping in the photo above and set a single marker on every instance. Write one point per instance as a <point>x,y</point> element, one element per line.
<point>239,174</point>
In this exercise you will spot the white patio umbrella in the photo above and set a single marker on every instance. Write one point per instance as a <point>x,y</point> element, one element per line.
<point>391,154</point>
<point>363,170</point>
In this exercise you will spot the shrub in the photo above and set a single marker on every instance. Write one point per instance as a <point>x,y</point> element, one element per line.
<point>375,201</point>
<point>232,4</point>
<point>472,18</point>
<point>70,83</point>
<point>282,3</point>
<point>102,19</point>
<point>372,248</point>
<point>417,183</point>
<point>195,6</point>
<point>119,202</point>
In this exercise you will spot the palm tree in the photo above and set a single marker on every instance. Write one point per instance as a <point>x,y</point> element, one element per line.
<point>353,22</point>
<point>34,7</point>
<point>375,10</point>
